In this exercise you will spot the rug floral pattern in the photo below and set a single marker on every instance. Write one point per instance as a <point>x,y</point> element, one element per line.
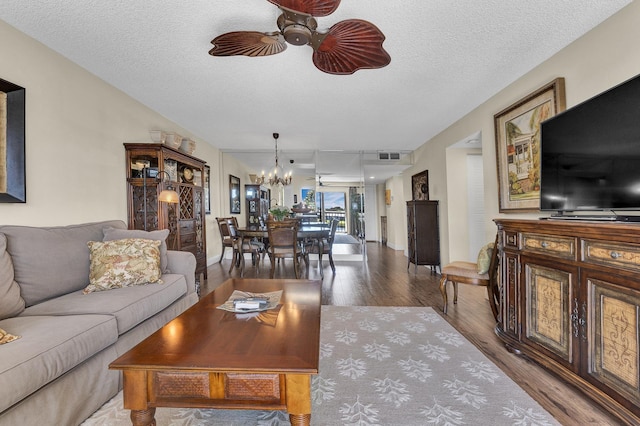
<point>384,366</point>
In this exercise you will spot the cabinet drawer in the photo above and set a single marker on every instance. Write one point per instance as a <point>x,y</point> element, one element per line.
<point>187,239</point>
<point>562,247</point>
<point>187,226</point>
<point>611,254</point>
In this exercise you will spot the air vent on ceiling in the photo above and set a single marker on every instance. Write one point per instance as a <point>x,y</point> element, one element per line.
<point>388,155</point>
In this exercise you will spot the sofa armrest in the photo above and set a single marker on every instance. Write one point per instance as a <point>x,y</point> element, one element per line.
<point>183,262</point>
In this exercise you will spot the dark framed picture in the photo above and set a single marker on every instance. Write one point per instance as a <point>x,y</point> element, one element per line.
<point>517,131</point>
<point>420,186</point>
<point>234,194</point>
<point>12,149</point>
<point>207,190</point>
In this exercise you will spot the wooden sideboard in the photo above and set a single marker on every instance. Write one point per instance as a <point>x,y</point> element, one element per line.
<point>570,300</point>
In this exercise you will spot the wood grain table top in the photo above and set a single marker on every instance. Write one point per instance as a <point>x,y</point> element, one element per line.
<point>204,338</point>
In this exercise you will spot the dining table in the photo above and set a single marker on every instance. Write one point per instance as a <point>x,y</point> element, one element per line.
<point>313,231</point>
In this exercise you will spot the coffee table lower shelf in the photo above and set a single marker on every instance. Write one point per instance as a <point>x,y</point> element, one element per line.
<point>144,390</point>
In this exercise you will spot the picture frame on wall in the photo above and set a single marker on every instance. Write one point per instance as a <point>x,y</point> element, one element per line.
<point>207,190</point>
<point>517,133</point>
<point>420,186</point>
<point>13,187</point>
<point>234,194</point>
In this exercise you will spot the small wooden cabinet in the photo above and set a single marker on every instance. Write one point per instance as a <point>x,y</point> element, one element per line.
<point>152,168</point>
<point>423,233</point>
<point>257,199</point>
<point>570,300</point>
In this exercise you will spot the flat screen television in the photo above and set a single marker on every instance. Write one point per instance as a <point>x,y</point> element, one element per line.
<point>590,154</point>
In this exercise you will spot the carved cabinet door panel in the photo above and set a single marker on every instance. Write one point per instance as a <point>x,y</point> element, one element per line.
<point>549,294</point>
<point>611,339</point>
<point>509,304</point>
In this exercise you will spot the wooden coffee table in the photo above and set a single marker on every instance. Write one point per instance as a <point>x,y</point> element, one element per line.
<point>210,358</point>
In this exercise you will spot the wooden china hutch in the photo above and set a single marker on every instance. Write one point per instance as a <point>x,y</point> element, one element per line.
<point>160,167</point>
<point>570,300</point>
<point>257,199</point>
<point>423,235</point>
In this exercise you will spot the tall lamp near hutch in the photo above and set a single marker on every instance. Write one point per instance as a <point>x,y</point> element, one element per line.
<point>165,190</point>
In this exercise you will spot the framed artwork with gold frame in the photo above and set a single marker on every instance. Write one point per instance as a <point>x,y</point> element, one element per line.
<point>517,131</point>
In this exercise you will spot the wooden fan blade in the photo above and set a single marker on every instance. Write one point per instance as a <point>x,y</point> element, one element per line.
<point>247,43</point>
<point>310,7</point>
<point>349,46</point>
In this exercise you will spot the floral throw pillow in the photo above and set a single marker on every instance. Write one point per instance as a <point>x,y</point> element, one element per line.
<point>123,263</point>
<point>6,337</point>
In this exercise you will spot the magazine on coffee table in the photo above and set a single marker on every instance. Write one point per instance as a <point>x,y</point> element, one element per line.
<point>243,302</point>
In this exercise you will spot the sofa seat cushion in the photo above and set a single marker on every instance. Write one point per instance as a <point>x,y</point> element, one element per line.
<point>38,254</point>
<point>49,347</point>
<point>129,305</point>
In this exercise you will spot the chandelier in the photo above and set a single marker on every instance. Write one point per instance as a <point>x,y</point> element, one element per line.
<point>278,177</point>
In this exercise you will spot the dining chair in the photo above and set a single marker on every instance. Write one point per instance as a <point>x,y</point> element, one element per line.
<point>225,236</point>
<point>244,245</point>
<point>484,272</point>
<point>327,245</point>
<point>283,243</point>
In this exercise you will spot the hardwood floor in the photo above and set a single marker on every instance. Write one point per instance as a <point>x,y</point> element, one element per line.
<point>384,280</point>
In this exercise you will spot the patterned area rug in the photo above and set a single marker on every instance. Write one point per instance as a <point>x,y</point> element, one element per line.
<point>384,366</point>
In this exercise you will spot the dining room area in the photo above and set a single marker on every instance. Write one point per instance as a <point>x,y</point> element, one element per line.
<point>314,185</point>
<point>269,243</point>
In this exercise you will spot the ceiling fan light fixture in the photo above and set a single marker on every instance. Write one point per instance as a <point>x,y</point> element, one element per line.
<point>298,35</point>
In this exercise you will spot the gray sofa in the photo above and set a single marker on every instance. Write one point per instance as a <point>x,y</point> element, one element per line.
<point>57,372</point>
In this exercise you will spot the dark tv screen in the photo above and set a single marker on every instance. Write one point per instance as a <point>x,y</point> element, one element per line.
<point>590,154</point>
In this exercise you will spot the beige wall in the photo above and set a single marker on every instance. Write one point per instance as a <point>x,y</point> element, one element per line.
<point>396,214</point>
<point>75,127</point>
<point>457,208</point>
<point>602,58</point>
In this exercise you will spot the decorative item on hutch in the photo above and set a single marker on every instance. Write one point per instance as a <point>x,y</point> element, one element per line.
<point>173,140</point>
<point>188,146</point>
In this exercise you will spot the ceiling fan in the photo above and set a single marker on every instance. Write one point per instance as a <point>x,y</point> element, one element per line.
<point>320,183</point>
<point>344,48</point>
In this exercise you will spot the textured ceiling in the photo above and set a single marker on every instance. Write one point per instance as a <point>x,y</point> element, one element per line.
<point>447,57</point>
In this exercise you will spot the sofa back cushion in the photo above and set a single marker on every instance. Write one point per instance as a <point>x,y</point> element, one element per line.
<point>11,304</point>
<point>52,261</point>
